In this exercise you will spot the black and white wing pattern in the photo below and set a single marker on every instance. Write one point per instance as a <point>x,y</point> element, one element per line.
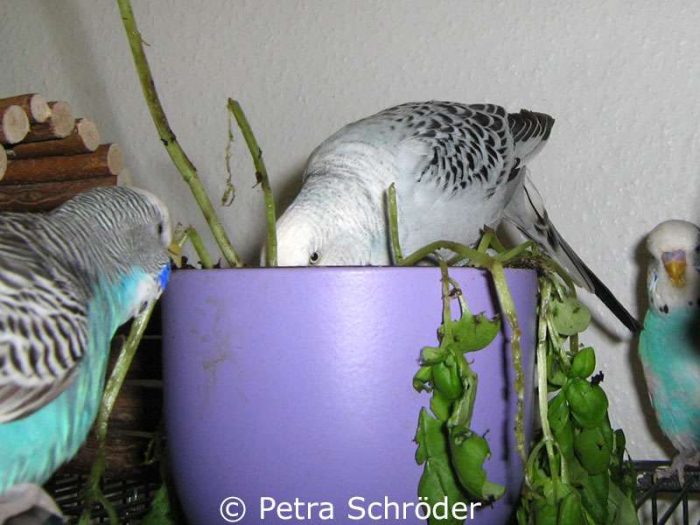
<point>468,146</point>
<point>43,326</point>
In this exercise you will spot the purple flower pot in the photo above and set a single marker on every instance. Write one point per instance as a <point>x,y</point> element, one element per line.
<point>292,387</point>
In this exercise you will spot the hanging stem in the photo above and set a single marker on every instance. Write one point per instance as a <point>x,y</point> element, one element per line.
<point>545,293</point>
<point>508,306</point>
<point>261,176</point>
<point>177,154</point>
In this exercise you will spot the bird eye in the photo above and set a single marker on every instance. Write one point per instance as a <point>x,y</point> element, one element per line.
<point>160,228</point>
<point>314,258</point>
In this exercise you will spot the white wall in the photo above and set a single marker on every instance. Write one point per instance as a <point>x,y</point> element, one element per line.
<point>622,79</point>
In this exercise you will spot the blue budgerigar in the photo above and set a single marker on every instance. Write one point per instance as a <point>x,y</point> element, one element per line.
<point>669,345</point>
<point>68,279</point>
<point>456,167</point>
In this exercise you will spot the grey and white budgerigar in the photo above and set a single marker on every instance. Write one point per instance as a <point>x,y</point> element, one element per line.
<point>669,345</point>
<point>68,279</point>
<point>456,168</point>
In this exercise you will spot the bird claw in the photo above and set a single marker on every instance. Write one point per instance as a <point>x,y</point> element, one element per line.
<point>680,461</point>
<point>28,504</point>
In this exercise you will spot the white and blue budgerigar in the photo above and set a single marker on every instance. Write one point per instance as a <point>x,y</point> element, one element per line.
<point>669,345</point>
<point>68,280</point>
<point>456,167</point>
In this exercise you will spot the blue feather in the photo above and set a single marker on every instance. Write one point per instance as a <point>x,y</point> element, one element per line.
<point>33,447</point>
<point>669,348</point>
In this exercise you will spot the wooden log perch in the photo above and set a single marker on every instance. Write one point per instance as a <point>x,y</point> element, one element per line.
<point>35,106</point>
<point>105,160</point>
<point>14,124</point>
<point>84,139</point>
<point>44,196</point>
<point>59,125</point>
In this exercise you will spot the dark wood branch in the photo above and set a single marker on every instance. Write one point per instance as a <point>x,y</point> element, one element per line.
<point>106,160</point>
<point>43,196</point>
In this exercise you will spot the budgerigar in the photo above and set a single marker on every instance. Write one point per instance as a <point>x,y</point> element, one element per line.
<point>68,280</point>
<point>669,345</point>
<point>456,167</point>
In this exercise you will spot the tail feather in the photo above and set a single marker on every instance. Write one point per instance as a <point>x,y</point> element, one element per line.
<point>530,132</point>
<point>527,212</point>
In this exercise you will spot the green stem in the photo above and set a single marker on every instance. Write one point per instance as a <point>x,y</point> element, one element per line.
<point>446,307</point>
<point>508,306</point>
<point>261,176</point>
<point>114,384</point>
<point>478,258</point>
<point>396,254</point>
<point>178,156</point>
<point>557,342</point>
<point>545,293</point>
<point>200,248</point>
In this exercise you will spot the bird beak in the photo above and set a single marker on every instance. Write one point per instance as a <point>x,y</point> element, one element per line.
<point>175,252</point>
<point>675,265</point>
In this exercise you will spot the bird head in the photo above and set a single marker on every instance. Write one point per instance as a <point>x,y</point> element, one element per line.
<point>674,271</point>
<point>318,237</point>
<point>128,233</point>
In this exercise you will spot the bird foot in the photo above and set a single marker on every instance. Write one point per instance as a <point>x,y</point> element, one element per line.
<point>28,504</point>
<point>680,461</point>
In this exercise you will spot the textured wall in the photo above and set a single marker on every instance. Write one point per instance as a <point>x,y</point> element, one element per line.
<point>622,79</point>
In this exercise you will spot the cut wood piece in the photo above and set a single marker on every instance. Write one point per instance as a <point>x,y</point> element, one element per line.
<point>3,161</point>
<point>14,124</point>
<point>84,139</point>
<point>35,106</point>
<point>106,160</point>
<point>59,125</point>
<point>44,196</point>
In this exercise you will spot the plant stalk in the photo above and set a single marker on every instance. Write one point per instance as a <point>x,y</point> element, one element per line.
<point>167,137</point>
<point>112,389</point>
<point>397,255</point>
<point>542,391</point>
<point>261,176</point>
<point>508,306</point>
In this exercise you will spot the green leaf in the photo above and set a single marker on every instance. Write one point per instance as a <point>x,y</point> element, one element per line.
<point>588,403</point>
<point>468,454</point>
<point>555,374</point>
<point>593,447</point>
<point>621,507</point>
<point>159,513</point>
<point>474,332</point>
<point>546,513</point>
<point>435,484</point>
<point>571,510</point>
<point>446,379</point>
<point>462,408</point>
<point>570,316</point>
<point>583,364</point>
<point>430,437</point>
<point>421,381</point>
<point>558,412</point>
<point>565,439</point>
<point>437,480</point>
<point>431,355</point>
<point>595,496</point>
<point>440,406</point>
